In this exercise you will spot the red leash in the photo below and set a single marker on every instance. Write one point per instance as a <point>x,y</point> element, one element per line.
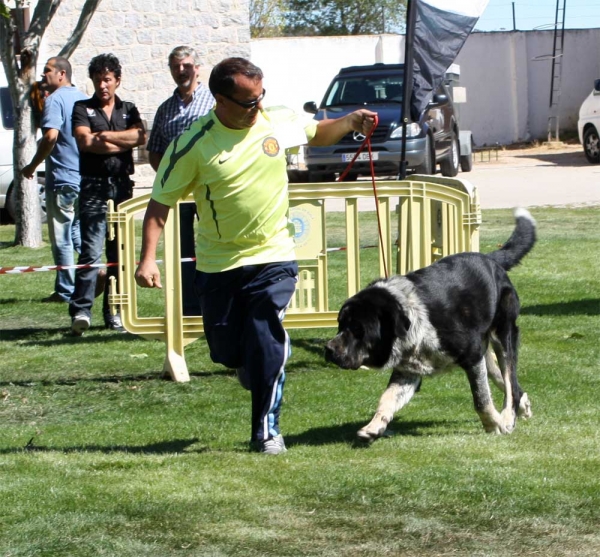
<point>367,143</point>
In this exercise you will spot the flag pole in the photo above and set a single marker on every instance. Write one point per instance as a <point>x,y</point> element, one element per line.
<point>411,16</point>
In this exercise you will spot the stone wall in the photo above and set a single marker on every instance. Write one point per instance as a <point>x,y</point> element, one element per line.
<point>141,33</point>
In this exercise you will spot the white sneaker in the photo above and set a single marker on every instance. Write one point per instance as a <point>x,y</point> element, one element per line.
<point>80,323</point>
<point>114,323</point>
<point>275,445</point>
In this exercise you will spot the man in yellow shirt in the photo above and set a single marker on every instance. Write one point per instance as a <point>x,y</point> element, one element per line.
<point>233,161</point>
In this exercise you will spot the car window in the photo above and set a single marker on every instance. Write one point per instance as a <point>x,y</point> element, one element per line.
<point>6,106</point>
<point>364,90</point>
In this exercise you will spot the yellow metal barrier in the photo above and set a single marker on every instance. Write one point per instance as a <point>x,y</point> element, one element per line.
<point>435,217</point>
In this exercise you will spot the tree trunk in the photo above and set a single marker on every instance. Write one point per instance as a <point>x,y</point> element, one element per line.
<point>20,74</point>
<point>28,230</point>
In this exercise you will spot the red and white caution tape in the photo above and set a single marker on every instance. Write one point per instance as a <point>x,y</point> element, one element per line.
<point>44,268</point>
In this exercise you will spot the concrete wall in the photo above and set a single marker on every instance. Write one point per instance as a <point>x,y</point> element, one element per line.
<point>505,74</point>
<point>508,75</point>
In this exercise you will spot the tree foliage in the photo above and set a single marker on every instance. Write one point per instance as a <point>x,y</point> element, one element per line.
<point>267,18</point>
<point>20,69</point>
<point>344,17</point>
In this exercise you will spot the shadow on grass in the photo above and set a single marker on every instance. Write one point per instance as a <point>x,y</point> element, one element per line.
<point>66,382</point>
<point>314,345</point>
<point>347,432</point>
<point>140,377</point>
<point>327,435</point>
<point>62,335</point>
<point>575,307</point>
<point>164,447</point>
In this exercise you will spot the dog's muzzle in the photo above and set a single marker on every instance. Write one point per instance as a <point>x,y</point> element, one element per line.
<point>337,354</point>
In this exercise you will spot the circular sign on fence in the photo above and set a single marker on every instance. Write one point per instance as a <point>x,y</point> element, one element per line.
<point>302,221</point>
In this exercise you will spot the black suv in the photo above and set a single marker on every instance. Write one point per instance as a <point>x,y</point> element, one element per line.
<point>433,140</point>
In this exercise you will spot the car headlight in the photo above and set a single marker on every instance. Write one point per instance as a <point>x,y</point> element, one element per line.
<point>412,130</point>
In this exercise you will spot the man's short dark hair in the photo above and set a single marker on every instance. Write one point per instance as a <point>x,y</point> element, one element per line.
<point>222,77</point>
<point>104,63</point>
<point>62,65</point>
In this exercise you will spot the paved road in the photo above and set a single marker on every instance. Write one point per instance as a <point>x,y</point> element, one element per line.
<point>536,179</point>
<point>529,178</point>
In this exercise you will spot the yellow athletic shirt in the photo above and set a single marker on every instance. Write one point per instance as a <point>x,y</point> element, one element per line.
<point>239,182</point>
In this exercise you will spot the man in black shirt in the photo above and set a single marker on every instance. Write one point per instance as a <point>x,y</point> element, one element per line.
<point>106,130</point>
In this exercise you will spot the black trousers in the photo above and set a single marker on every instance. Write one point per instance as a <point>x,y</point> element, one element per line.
<point>243,310</point>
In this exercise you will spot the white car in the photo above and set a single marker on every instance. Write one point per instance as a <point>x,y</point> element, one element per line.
<point>589,125</point>
<point>7,190</point>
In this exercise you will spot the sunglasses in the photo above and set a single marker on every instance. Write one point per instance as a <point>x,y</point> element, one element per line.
<point>247,104</point>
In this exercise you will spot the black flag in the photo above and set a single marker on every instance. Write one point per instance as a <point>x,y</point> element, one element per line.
<point>441,29</point>
<point>436,30</point>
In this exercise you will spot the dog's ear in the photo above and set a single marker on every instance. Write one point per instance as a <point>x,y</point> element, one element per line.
<point>342,316</point>
<point>401,322</point>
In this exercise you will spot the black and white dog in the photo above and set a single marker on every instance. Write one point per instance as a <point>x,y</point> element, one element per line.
<point>459,311</point>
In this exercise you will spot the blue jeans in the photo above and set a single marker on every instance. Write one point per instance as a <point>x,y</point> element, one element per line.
<point>62,211</point>
<point>93,197</point>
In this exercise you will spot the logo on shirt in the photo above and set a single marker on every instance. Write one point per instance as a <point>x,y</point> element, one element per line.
<point>270,147</point>
<point>91,112</point>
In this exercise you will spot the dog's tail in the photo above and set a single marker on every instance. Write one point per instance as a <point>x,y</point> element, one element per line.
<point>520,242</point>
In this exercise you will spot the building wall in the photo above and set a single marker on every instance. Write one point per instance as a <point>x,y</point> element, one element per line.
<point>506,74</point>
<point>141,33</point>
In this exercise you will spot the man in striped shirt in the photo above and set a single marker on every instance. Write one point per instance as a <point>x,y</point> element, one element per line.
<point>190,100</point>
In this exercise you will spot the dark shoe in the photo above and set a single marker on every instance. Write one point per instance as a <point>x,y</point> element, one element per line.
<point>80,323</point>
<point>113,322</point>
<point>54,298</point>
<point>100,283</point>
<point>273,446</point>
<point>243,378</point>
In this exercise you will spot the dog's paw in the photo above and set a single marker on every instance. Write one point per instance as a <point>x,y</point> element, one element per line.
<point>509,420</point>
<point>368,434</point>
<point>498,429</point>
<point>500,424</point>
<point>525,411</point>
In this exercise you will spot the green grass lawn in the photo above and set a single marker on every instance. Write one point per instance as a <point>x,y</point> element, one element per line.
<point>99,456</point>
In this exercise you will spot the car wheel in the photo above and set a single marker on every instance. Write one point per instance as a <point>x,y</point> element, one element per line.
<point>42,193</point>
<point>427,166</point>
<point>11,203</point>
<point>297,176</point>
<point>466,162</point>
<point>591,145</point>
<point>449,166</point>
<point>321,177</point>
<point>11,200</point>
